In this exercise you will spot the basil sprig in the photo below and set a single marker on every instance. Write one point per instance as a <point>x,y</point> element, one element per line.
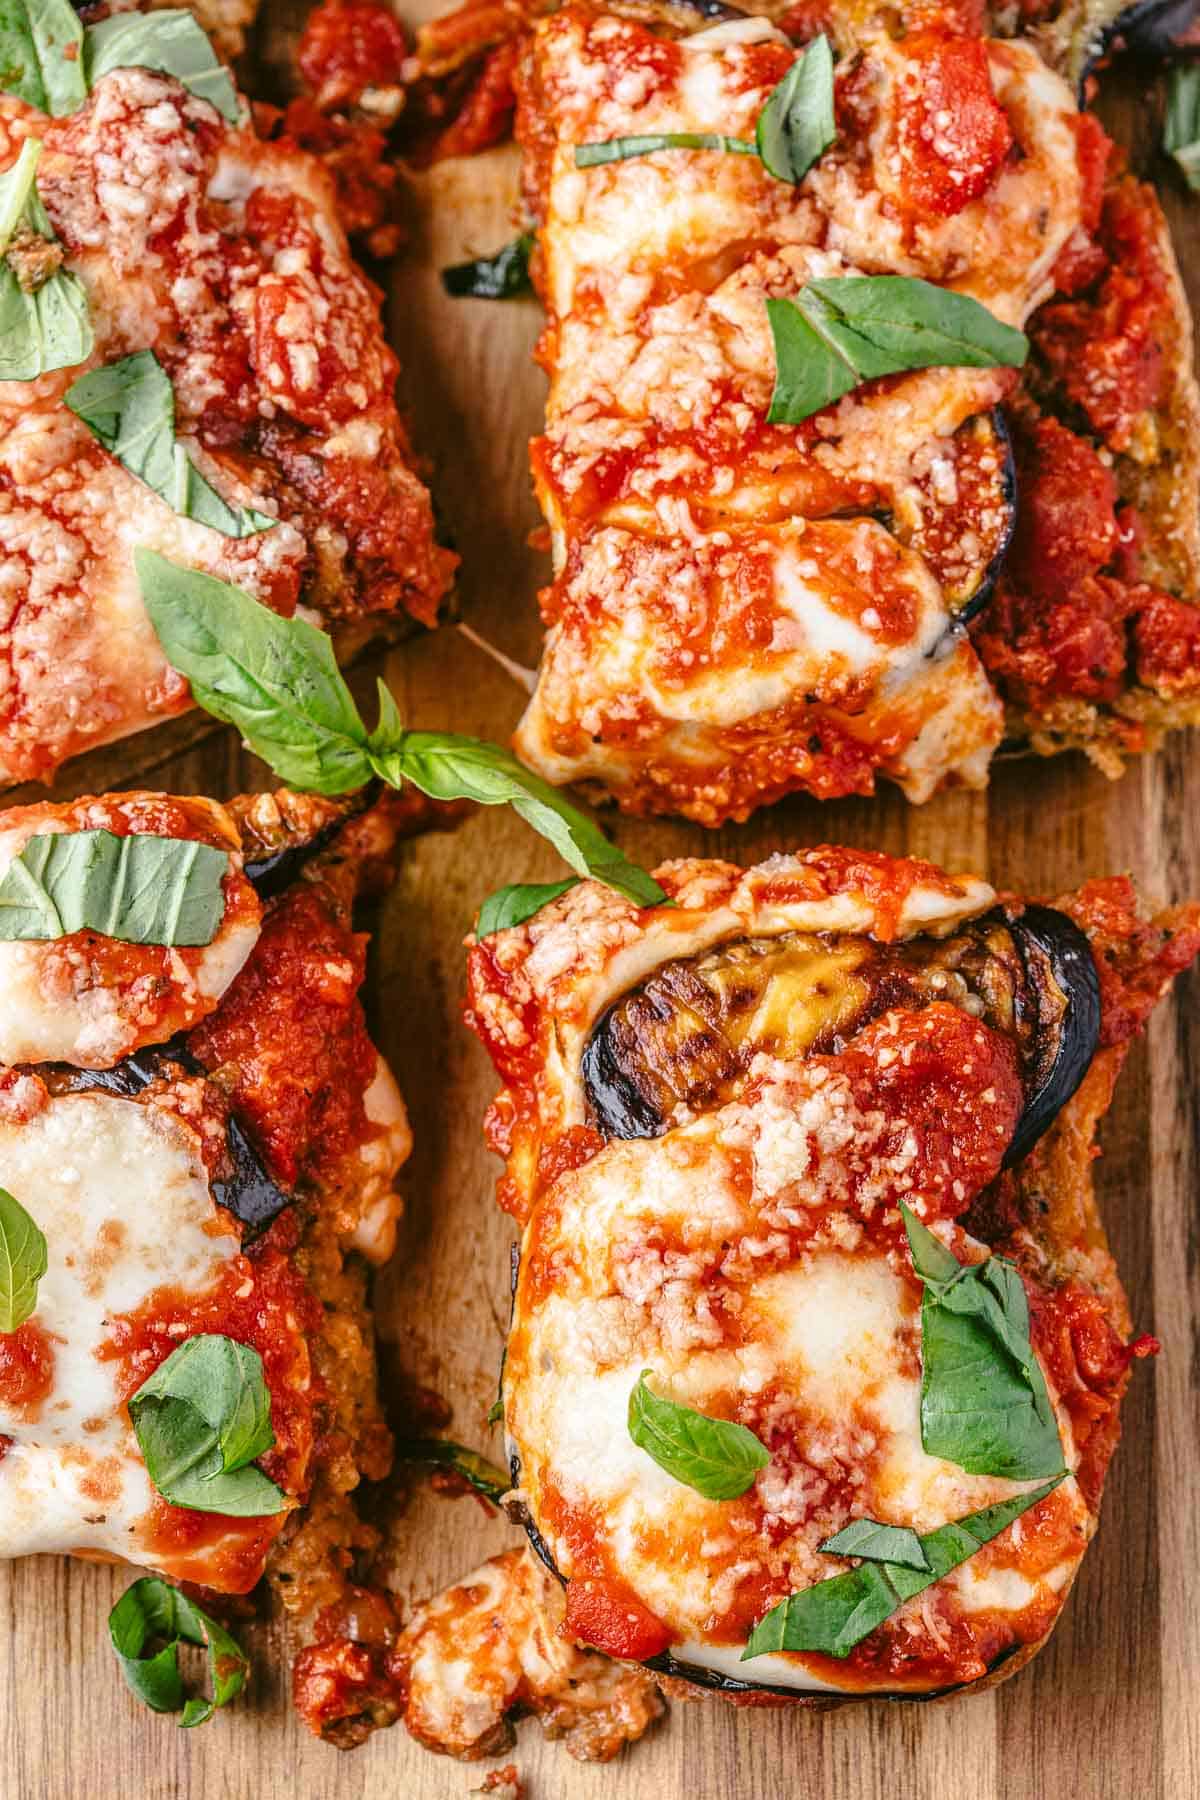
<point>129,406</point>
<point>984,1403</point>
<point>49,59</point>
<point>1181,129</point>
<point>498,277</point>
<point>620,149</point>
<point>278,681</point>
<point>878,1543</point>
<point>440,1453</point>
<point>141,889</point>
<point>44,319</point>
<point>150,1610</point>
<point>715,1456</point>
<point>22,1263</point>
<point>835,334</point>
<point>514,904</point>
<point>200,1420</point>
<point>832,1616</point>
<point>795,127</point>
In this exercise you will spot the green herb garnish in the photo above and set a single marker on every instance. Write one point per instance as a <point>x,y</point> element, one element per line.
<point>41,55</point>
<point>483,1475</point>
<point>152,1609</point>
<point>984,1403</point>
<point>130,407</point>
<point>200,1420</point>
<point>142,889</point>
<point>715,1456</point>
<point>513,905</point>
<point>44,319</point>
<point>51,60</point>
<point>1181,130</point>
<point>795,126</point>
<point>171,43</point>
<point>878,1543</point>
<point>22,1263</point>
<point>836,334</point>
<point>832,1616</point>
<point>278,681</point>
<point>498,277</point>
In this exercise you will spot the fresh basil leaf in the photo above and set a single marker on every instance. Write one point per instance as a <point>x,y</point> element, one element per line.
<point>141,889</point>
<point>172,43</point>
<point>41,60</point>
<point>836,334</point>
<point>278,681</point>
<point>483,1475</point>
<point>1181,131</point>
<point>832,1616</point>
<point>448,767</point>
<point>499,277</point>
<point>796,126</point>
<point>152,1609</point>
<point>495,1413</point>
<point>878,1543</point>
<point>44,319</point>
<point>715,1456</point>
<point>22,1263</point>
<point>984,1402</point>
<point>130,407</point>
<point>589,156</point>
<point>513,905</point>
<point>199,1420</point>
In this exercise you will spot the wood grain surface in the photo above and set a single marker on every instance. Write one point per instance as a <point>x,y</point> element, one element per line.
<point>1109,1711</point>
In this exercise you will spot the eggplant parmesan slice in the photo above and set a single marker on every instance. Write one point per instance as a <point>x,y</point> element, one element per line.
<point>208,1141</point>
<point>712,1115</point>
<point>220,252</point>
<point>741,608</point>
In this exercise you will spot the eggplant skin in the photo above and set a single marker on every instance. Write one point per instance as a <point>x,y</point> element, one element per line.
<point>688,1033</point>
<point>249,1193</point>
<point>1051,943</point>
<point>973,603</point>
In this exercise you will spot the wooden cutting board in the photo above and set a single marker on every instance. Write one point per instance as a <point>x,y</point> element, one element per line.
<point>1109,1710</point>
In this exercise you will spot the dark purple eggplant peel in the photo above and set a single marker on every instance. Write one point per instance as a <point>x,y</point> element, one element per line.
<point>686,1036</point>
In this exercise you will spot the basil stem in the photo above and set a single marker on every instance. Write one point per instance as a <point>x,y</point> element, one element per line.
<point>441,1453</point>
<point>589,156</point>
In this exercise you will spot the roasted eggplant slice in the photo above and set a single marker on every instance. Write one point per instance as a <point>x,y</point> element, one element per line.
<point>247,1190</point>
<point>685,1039</point>
<point>1060,974</point>
<point>961,515</point>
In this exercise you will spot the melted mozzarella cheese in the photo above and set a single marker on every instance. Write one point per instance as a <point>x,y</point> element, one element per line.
<point>639,1260</point>
<point>122,1198</point>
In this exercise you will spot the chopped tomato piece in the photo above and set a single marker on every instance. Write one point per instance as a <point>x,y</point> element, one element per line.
<point>954,134</point>
<point>1066,519</point>
<point>608,1616</point>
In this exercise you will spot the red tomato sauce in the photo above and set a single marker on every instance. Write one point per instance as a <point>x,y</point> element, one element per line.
<point>26,1369</point>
